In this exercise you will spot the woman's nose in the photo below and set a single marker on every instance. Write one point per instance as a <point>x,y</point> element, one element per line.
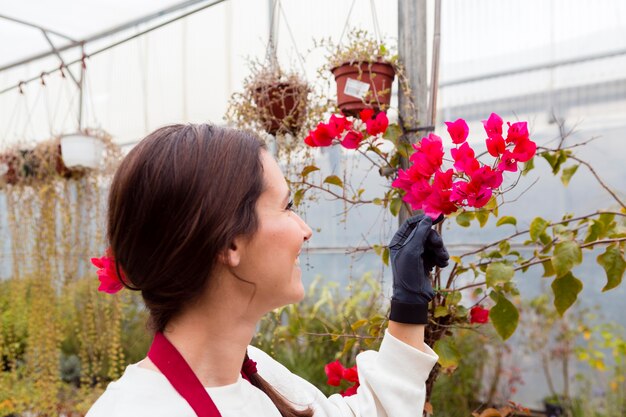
<point>307,230</point>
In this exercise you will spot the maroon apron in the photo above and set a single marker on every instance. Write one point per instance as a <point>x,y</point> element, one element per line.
<point>178,372</point>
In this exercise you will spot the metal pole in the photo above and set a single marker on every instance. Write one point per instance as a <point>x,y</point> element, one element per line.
<point>434,75</point>
<point>412,52</point>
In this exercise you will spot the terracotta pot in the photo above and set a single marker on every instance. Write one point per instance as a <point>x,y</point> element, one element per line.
<point>281,106</point>
<point>8,165</point>
<point>363,85</point>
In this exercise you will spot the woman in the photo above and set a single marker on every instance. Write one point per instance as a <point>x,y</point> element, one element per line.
<point>201,223</point>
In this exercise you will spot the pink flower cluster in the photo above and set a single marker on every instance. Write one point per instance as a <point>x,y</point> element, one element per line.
<point>342,129</point>
<point>469,182</point>
<point>336,372</point>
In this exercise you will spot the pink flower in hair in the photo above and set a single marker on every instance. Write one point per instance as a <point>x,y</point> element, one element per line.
<point>110,282</point>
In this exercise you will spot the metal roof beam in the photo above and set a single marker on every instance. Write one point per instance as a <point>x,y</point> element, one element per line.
<point>97,36</point>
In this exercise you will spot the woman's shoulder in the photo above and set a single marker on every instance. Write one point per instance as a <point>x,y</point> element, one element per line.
<point>139,392</point>
<point>292,386</point>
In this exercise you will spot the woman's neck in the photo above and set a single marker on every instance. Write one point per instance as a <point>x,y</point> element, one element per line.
<point>213,338</point>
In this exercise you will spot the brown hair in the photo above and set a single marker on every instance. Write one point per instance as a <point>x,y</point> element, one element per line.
<point>177,200</point>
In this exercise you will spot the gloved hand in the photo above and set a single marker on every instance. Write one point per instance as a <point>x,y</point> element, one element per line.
<point>414,251</point>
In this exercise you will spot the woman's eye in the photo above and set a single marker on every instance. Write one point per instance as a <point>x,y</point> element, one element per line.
<point>289,205</point>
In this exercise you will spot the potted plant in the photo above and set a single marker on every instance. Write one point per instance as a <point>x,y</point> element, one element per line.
<point>364,70</point>
<point>9,166</point>
<point>273,100</point>
<point>81,150</point>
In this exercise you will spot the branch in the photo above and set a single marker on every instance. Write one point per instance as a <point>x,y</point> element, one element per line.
<point>352,336</point>
<point>597,213</point>
<point>606,187</point>
<point>337,196</point>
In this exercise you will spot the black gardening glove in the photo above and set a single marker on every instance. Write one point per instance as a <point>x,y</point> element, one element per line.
<point>414,251</point>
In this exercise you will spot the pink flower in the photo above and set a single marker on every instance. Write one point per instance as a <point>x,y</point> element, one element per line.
<point>524,150</point>
<point>495,145</point>
<point>337,125</point>
<point>352,140</point>
<point>418,193</point>
<point>351,374</point>
<point>471,194</point>
<point>109,280</point>
<point>487,176</point>
<point>458,131</point>
<point>439,203</point>
<point>377,124</point>
<point>406,178</point>
<point>323,135</point>
<point>508,162</point>
<point>334,372</point>
<point>350,391</point>
<point>366,114</point>
<point>429,155</point>
<point>478,314</point>
<point>478,191</point>
<point>464,158</point>
<point>443,180</point>
<point>517,131</point>
<point>493,126</point>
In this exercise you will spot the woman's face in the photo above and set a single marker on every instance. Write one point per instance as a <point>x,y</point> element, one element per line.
<point>269,258</point>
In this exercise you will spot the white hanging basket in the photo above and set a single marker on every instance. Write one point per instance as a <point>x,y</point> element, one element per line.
<point>80,150</point>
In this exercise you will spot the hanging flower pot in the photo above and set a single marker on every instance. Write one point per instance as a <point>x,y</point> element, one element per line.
<point>362,85</point>
<point>281,105</point>
<point>8,167</point>
<point>80,150</point>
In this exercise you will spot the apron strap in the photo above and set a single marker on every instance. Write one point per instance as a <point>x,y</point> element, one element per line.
<point>172,364</point>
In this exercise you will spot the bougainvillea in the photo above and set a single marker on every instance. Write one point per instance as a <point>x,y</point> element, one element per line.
<point>426,184</point>
<point>336,373</point>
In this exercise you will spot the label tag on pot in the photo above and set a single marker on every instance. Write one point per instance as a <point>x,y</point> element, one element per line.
<point>356,88</point>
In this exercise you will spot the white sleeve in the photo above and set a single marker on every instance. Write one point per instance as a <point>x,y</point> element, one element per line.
<point>392,382</point>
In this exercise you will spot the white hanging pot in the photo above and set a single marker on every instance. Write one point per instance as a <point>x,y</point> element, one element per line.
<point>80,150</point>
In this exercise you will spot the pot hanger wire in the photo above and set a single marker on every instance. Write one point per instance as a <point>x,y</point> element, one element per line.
<point>272,44</point>
<point>374,21</point>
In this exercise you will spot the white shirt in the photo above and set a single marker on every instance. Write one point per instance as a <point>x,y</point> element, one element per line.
<point>393,383</point>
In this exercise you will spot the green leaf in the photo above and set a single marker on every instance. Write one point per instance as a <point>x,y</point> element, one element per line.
<point>606,219</point>
<point>504,247</point>
<point>441,311</point>
<point>333,179</point>
<point>537,227</point>
<point>492,206</point>
<point>497,273</point>
<point>614,265</point>
<point>395,205</point>
<point>386,255</point>
<point>454,297</point>
<point>548,269</point>
<point>447,351</point>
<point>566,255</point>
<point>504,316</point>
<point>507,220</point>
<point>358,324</point>
<point>565,289</point>
<point>555,160</point>
<point>482,216</point>
<point>465,218</point>
<point>297,197</point>
<point>392,133</point>
<point>528,166</point>
<point>308,169</point>
<point>568,173</point>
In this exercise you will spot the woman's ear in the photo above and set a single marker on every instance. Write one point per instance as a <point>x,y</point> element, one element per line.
<point>231,256</point>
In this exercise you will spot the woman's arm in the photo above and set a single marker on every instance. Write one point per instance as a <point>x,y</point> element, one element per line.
<point>411,334</point>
